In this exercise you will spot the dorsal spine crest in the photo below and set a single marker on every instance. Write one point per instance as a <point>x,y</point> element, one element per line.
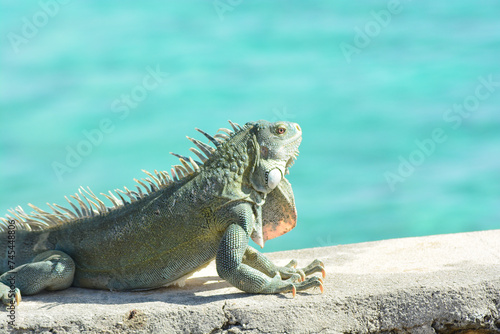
<point>88,205</point>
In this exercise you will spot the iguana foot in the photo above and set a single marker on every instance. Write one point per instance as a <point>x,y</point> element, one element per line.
<point>9,296</point>
<point>298,278</point>
<point>314,267</point>
<point>50,270</point>
<point>293,284</point>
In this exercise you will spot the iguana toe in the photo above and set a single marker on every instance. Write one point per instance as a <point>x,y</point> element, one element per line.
<point>315,267</point>
<point>289,270</point>
<point>295,278</point>
<point>310,282</point>
<point>292,264</point>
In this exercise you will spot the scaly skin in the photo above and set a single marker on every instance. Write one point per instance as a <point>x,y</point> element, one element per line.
<point>164,234</point>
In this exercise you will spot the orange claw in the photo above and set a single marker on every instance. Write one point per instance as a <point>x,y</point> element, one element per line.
<point>18,297</point>
<point>294,291</point>
<point>323,272</point>
<point>321,287</point>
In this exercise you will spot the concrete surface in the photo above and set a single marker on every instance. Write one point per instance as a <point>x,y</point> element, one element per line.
<point>435,284</point>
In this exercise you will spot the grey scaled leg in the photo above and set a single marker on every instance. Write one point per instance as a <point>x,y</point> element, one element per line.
<point>250,275</point>
<point>51,270</point>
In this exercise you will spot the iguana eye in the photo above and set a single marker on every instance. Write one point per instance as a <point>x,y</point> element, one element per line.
<point>280,130</point>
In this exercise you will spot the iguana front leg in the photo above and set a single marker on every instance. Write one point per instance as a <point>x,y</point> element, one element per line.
<point>256,274</point>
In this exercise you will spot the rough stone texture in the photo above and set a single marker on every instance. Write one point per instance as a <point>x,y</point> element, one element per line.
<point>436,284</point>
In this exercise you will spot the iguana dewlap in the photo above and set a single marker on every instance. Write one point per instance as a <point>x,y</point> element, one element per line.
<point>171,226</point>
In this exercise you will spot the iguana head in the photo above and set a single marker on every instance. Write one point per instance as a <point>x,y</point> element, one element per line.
<point>277,149</point>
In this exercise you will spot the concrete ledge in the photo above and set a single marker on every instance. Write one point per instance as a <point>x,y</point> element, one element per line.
<point>436,284</point>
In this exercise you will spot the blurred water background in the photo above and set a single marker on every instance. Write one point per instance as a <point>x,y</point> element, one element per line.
<point>398,101</point>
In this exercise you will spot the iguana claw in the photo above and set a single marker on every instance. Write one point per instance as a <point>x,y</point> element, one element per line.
<point>302,275</point>
<point>17,296</point>
<point>6,295</point>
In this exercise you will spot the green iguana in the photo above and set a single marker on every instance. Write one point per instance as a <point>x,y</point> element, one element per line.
<point>171,227</point>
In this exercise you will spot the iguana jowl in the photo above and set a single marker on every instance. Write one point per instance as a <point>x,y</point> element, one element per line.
<point>172,226</point>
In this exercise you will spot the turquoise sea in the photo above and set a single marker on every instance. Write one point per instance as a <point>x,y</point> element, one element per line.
<point>399,102</point>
